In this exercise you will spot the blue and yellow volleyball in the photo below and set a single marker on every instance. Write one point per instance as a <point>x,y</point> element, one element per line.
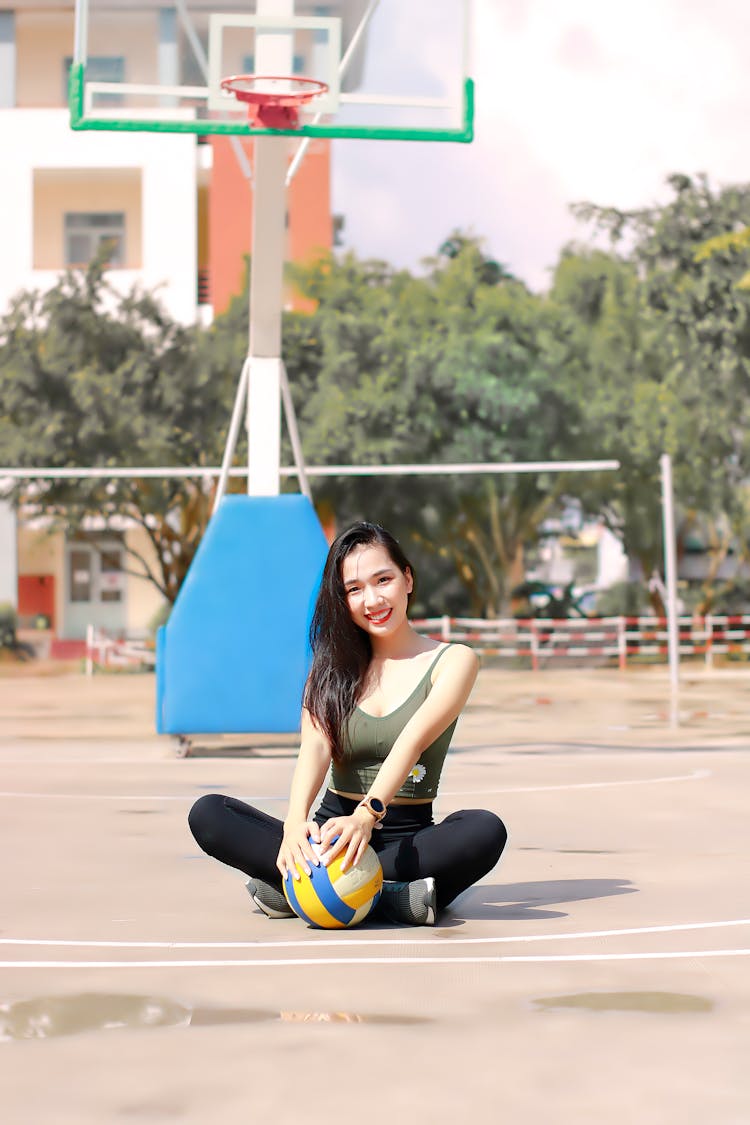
<point>330,898</point>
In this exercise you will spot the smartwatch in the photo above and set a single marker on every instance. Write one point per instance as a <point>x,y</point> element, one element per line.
<point>374,806</point>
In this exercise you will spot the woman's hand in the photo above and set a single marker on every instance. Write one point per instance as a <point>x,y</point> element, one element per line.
<point>353,833</point>
<point>295,848</point>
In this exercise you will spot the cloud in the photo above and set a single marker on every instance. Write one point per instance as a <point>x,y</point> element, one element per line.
<point>581,100</point>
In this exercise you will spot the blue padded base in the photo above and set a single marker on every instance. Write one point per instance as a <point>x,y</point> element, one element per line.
<point>234,655</point>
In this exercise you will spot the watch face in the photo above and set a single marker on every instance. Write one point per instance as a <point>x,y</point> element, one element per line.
<point>377,805</point>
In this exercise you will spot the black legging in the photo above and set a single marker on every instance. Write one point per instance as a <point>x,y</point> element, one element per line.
<point>456,852</point>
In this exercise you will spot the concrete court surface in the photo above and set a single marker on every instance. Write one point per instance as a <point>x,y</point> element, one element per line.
<point>600,973</point>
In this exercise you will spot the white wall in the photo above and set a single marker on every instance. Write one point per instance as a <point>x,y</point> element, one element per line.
<point>8,555</point>
<point>42,138</point>
<point>612,560</point>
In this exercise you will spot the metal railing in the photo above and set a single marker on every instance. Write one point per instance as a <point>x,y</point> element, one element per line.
<point>204,286</point>
<point>613,639</point>
<point>106,651</point>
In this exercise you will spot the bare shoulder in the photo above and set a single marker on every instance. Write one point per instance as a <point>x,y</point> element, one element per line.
<point>458,660</point>
<point>453,678</point>
<point>311,733</point>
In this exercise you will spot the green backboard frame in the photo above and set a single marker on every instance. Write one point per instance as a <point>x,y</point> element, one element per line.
<point>464,134</point>
<point>392,70</point>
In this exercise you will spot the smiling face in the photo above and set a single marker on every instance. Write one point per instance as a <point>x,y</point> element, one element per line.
<point>377,590</point>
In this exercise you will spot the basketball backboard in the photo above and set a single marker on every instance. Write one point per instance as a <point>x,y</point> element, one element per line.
<point>394,69</point>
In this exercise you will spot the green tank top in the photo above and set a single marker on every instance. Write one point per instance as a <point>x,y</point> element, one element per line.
<point>369,739</point>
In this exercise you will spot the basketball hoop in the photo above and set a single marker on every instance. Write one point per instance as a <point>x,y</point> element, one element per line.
<point>273,102</point>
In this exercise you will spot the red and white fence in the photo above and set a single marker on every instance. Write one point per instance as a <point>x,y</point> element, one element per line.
<point>606,639</point>
<point>104,651</point>
<point>540,641</point>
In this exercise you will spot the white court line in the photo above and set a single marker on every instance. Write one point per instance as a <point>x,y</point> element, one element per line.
<point>694,776</point>
<point>696,954</point>
<point>343,941</point>
<point>124,797</point>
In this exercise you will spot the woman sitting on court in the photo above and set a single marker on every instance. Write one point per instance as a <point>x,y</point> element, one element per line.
<point>380,707</point>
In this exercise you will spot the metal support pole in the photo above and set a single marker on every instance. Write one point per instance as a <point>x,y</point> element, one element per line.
<point>708,625</point>
<point>670,581</point>
<point>273,56</point>
<point>622,644</point>
<point>202,60</point>
<point>80,33</point>
<point>266,301</point>
<point>343,67</point>
<point>291,424</point>
<point>234,430</point>
<point>135,472</point>
<point>534,646</point>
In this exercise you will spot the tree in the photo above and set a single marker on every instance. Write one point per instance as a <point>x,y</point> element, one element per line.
<point>736,241</point>
<point>89,378</point>
<point>456,366</point>
<point>667,360</point>
<point>616,364</point>
<point>639,349</point>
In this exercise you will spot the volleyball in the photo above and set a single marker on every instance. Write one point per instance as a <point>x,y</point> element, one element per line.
<point>330,898</point>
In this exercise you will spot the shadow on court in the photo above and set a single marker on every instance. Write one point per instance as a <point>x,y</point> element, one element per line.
<point>525,899</point>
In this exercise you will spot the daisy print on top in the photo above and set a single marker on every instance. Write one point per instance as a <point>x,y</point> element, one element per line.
<point>417,774</point>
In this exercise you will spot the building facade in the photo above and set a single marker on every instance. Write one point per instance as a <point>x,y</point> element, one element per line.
<point>174,212</point>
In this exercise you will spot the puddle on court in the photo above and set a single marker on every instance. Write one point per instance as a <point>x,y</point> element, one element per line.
<point>52,1017</point>
<point>656,1003</point>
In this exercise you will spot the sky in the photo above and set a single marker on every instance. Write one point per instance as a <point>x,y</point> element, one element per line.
<point>596,100</point>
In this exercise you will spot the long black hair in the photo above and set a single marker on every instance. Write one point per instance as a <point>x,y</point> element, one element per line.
<point>341,650</point>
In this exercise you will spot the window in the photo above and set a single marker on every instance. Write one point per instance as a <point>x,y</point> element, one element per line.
<point>86,232</point>
<point>80,575</point>
<point>95,571</point>
<point>99,68</point>
<point>110,575</point>
<point>7,59</point>
<point>248,64</point>
<point>320,37</point>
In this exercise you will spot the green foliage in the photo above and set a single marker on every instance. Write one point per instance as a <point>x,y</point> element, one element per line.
<point>8,625</point>
<point>623,599</point>
<point>9,642</point>
<point>661,328</point>
<point>159,618</point>
<point>638,349</point>
<point>730,242</point>
<point>456,366</point>
<point>89,378</point>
